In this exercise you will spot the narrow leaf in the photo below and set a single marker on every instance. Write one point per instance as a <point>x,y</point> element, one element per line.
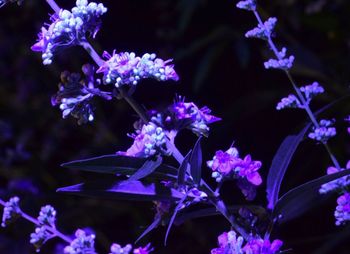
<point>177,208</point>
<point>129,190</point>
<point>118,164</point>
<point>196,162</point>
<point>147,168</point>
<point>280,164</point>
<point>212,211</point>
<point>300,199</point>
<point>182,170</point>
<point>155,224</point>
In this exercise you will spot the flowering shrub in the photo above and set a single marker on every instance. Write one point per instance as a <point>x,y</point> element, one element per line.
<point>154,169</point>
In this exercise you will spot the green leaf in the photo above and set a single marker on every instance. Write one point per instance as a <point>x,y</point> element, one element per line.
<point>182,170</point>
<point>155,224</point>
<point>300,199</point>
<point>118,164</point>
<point>147,168</point>
<point>196,162</point>
<point>177,208</point>
<point>129,190</point>
<point>280,164</point>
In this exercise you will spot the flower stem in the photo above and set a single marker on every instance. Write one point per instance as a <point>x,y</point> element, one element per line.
<point>87,46</point>
<point>219,204</point>
<point>54,6</point>
<point>29,218</point>
<point>298,92</point>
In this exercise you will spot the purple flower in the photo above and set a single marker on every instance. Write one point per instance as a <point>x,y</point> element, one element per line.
<point>75,94</point>
<point>262,31</point>
<point>198,118</point>
<point>229,164</point>
<point>342,211</point>
<point>11,211</point>
<point>147,142</point>
<point>224,162</point>
<point>284,63</point>
<point>312,90</point>
<point>249,5</point>
<point>247,168</point>
<point>127,68</point>
<point>337,184</point>
<point>323,132</point>
<point>39,237</point>
<point>260,246</point>
<point>117,249</point>
<point>143,250</point>
<point>69,28</point>
<point>289,102</point>
<point>47,216</point>
<point>229,243</point>
<point>82,244</point>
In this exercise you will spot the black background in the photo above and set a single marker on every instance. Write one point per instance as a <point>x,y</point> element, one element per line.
<point>217,66</point>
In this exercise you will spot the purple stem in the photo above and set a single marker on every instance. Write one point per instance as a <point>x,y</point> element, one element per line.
<point>175,152</point>
<point>29,218</point>
<point>297,90</point>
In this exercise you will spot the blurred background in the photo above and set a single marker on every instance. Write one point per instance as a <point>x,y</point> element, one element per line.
<point>218,67</point>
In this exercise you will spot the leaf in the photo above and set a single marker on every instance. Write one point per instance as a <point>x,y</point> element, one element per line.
<point>118,164</point>
<point>301,198</point>
<point>196,162</point>
<point>212,211</point>
<point>129,190</point>
<point>155,224</point>
<point>182,170</point>
<point>147,168</point>
<point>280,164</point>
<point>177,208</point>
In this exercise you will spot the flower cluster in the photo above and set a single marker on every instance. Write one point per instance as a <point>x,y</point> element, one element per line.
<point>117,249</point>
<point>309,91</point>
<point>228,164</point>
<point>75,94</point>
<point>11,211</point>
<point>69,28</point>
<point>198,118</point>
<point>47,216</point>
<point>260,246</point>
<point>127,68</point>
<point>183,115</point>
<point>147,142</point>
<point>263,31</point>
<point>289,102</point>
<point>324,132</point>
<point>342,211</point>
<point>282,62</point>
<point>46,219</point>
<point>229,243</point>
<point>336,185</point>
<point>82,244</point>
<point>249,5</point>
<point>40,236</point>
<point>312,90</point>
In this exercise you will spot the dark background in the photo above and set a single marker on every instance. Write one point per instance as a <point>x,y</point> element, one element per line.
<point>217,66</point>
